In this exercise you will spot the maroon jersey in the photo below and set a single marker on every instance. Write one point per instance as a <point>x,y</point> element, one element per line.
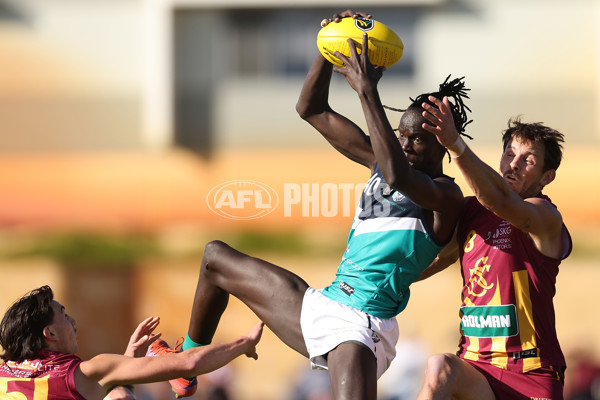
<point>48,376</point>
<point>507,313</point>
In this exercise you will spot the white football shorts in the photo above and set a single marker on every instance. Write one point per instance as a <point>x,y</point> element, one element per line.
<point>326,324</point>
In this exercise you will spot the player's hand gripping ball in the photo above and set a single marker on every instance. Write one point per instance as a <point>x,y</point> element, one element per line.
<point>385,47</point>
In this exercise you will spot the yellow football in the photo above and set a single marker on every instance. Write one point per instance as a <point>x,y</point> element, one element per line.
<point>385,47</point>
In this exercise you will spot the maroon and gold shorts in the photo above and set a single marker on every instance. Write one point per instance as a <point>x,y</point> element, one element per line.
<point>541,384</point>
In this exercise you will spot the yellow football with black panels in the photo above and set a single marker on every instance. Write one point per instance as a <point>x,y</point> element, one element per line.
<point>385,47</point>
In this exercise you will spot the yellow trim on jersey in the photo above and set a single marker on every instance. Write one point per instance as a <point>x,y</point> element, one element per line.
<point>40,388</point>
<point>472,352</point>
<point>499,357</point>
<point>498,349</point>
<point>525,316</point>
<point>469,355</point>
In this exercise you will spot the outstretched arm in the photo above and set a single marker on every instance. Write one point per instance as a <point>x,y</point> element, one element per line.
<point>93,377</point>
<point>313,106</point>
<point>535,216</point>
<point>441,194</point>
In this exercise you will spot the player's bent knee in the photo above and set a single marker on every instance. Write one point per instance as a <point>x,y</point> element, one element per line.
<point>211,257</point>
<point>214,251</point>
<point>213,247</point>
<point>220,261</point>
<point>440,368</point>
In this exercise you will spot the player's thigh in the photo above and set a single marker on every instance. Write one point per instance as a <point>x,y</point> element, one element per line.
<point>466,381</point>
<point>273,293</point>
<point>353,371</point>
<point>249,278</point>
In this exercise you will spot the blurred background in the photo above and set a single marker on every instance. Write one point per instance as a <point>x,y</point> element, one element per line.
<point>118,119</point>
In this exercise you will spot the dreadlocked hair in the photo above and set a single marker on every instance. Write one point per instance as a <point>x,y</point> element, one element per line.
<point>456,92</point>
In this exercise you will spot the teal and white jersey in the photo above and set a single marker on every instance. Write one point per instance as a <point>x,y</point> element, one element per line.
<point>388,247</point>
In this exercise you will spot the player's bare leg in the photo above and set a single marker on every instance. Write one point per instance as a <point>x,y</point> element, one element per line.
<point>274,294</point>
<point>448,377</point>
<point>352,372</point>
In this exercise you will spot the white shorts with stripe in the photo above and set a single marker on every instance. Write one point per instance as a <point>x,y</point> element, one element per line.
<point>326,324</point>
